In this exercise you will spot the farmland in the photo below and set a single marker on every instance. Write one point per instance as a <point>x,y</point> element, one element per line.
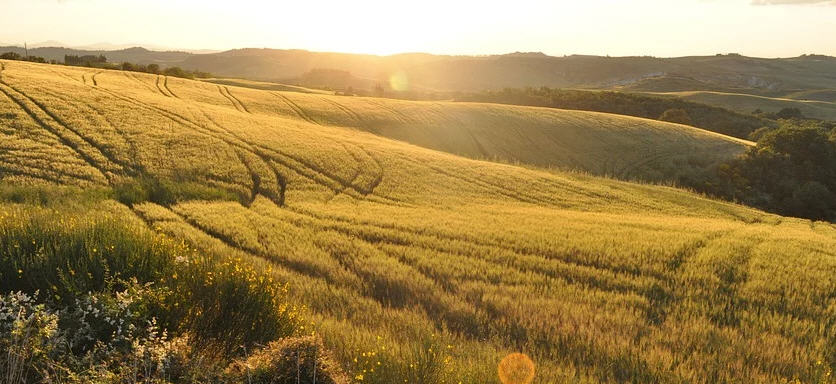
<point>397,224</point>
<point>806,102</point>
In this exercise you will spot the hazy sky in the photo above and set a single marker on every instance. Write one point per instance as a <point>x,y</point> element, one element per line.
<point>767,28</point>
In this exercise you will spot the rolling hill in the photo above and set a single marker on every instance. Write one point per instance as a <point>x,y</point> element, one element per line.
<point>389,238</point>
<point>440,73</point>
<point>743,103</point>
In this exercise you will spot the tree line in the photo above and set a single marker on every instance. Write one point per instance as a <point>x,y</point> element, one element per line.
<point>791,171</point>
<point>100,61</point>
<point>675,110</point>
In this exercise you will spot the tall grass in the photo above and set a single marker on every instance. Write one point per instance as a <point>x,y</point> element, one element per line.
<point>220,302</point>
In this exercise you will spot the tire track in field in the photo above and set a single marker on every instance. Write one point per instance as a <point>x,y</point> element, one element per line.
<point>298,165</point>
<point>303,168</point>
<point>379,177</point>
<point>544,254</point>
<point>484,185</point>
<point>165,85</point>
<point>572,273</point>
<point>129,168</point>
<point>186,122</point>
<point>15,172</point>
<point>252,252</point>
<point>403,118</point>
<point>64,75</point>
<point>236,100</point>
<point>93,78</point>
<point>345,109</point>
<point>19,100</point>
<point>160,88</point>
<point>134,78</point>
<point>281,180</point>
<point>296,108</point>
<point>101,149</point>
<point>48,174</point>
<point>628,169</point>
<point>353,177</point>
<point>256,178</point>
<point>232,100</point>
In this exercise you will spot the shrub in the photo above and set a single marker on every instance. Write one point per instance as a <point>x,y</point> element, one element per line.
<point>678,116</point>
<point>28,335</point>
<point>11,56</point>
<point>303,360</point>
<point>222,303</point>
<point>229,306</point>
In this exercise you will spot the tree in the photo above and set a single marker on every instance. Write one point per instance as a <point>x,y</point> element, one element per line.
<point>792,171</point>
<point>10,56</point>
<point>676,116</point>
<point>153,68</point>
<point>789,113</point>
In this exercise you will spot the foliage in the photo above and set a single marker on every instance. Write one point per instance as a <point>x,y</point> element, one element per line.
<point>792,171</point>
<point>679,116</point>
<point>17,56</point>
<point>714,119</point>
<point>303,360</point>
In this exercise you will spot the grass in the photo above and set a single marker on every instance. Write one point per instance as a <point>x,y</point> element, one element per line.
<point>266,86</point>
<point>743,103</point>
<point>389,244</point>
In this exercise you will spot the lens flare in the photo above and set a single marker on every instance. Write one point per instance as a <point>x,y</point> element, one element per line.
<point>516,368</point>
<point>398,81</point>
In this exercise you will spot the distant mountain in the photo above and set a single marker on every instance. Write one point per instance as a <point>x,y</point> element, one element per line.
<point>133,55</point>
<point>427,72</point>
<point>466,73</point>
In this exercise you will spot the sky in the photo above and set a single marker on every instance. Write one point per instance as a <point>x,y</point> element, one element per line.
<point>664,28</point>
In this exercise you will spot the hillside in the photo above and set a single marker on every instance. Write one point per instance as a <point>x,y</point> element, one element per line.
<point>823,110</point>
<point>390,244</point>
<point>440,73</point>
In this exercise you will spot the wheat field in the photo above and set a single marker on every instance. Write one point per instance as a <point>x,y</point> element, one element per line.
<point>392,228</point>
<point>805,102</point>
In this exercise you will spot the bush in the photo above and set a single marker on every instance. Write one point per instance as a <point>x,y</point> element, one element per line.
<point>222,303</point>
<point>11,56</point>
<point>791,171</point>
<point>229,307</point>
<point>651,107</point>
<point>303,360</point>
<point>678,116</point>
<point>28,336</point>
<point>789,113</point>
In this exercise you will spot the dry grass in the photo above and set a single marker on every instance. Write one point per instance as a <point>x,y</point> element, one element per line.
<point>386,243</point>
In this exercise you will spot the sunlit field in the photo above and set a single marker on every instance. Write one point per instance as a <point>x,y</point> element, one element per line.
<point>424,242</point>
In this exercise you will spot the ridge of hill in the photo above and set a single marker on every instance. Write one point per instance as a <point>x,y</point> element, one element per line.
<point>770,77</point>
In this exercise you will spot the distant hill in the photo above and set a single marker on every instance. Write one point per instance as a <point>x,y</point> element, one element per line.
<point>744,103</point>
<point>723,73</point>
<point>133,55</point>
